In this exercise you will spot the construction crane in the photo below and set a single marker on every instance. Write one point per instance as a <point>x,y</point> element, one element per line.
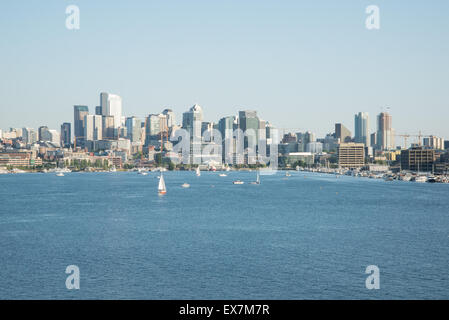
<point>420,136</point>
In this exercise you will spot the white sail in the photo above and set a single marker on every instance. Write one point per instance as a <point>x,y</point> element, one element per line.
<point>161,187</point>
<point>258,177</point>
<point>198,173</point>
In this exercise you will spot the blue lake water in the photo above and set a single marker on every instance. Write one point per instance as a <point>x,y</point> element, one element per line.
<point>310,236</point>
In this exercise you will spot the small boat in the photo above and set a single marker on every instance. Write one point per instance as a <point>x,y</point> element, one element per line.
<point>238,182</point>
<point>198,172</point>
<point>287,174</point>
<point>144,173</point>
<point>228,169</point>
<point>161,188</point>
<point>223,175</point>
<point>60,174</point>
<point>421,179</point>
<point>257,179</point>
<point>185,185</point>
<point>113,169</point>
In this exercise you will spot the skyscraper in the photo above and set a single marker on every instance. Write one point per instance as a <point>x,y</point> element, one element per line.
<point>342,133</point>
<point>385,132</point>
<point>66,135</point>
<point>93,127</point>
<point>192,121</point>
<point>133,127</point>
<point>78,122</point>
<point>249,124</point>
<point>50,135</point>
<point>29,135</point>
<point>109,133</point>
<point>155,123</point>
<point>226,128</point>
<point>111,105</point>
<point>361,128</point>
<point>170,116</point>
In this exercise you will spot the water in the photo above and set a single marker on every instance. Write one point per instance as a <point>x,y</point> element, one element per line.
<point>308,237</point>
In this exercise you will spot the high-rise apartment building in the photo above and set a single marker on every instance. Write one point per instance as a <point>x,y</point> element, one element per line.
<point>434,142</point>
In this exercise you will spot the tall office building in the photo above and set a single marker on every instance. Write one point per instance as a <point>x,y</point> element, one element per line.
<point>249,124</point>
<point>41,132</point>
<point>361,128</point>
<point>134,129</point>
<point>192,121</point>
<point>109,133</point>
<point>29,135</point>
<point>98,111</point>
<point>385,132</point>
<point>373,139</point>
<point>170,116</point>
<point>78,121</point>
<point>226,128</point>
<point>93,128</point>
<point>50,135</point>
<point>342,133</point>
<point>66,135</point>
<point>111,105</point>
<point>155,123</point>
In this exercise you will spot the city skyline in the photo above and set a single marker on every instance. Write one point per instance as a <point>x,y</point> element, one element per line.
<point>227,60</point>
<point>352,131</point>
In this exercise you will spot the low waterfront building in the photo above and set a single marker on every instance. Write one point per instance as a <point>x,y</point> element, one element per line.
<point>22,158</point>
<point>417,159</point>
<point>293,157</point>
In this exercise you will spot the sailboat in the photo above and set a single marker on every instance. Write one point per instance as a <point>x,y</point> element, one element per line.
<point>198,173</point>
<point>161,188</point>
<point>257,179</point>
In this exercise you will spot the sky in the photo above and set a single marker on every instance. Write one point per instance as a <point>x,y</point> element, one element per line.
<point>300,64</point>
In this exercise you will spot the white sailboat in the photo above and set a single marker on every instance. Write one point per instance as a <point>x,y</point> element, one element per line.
<point>257,178</point>
<point>161,188</point>
<point>198,172</point>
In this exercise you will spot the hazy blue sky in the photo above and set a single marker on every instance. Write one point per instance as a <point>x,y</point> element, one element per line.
<point>302,64</point>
